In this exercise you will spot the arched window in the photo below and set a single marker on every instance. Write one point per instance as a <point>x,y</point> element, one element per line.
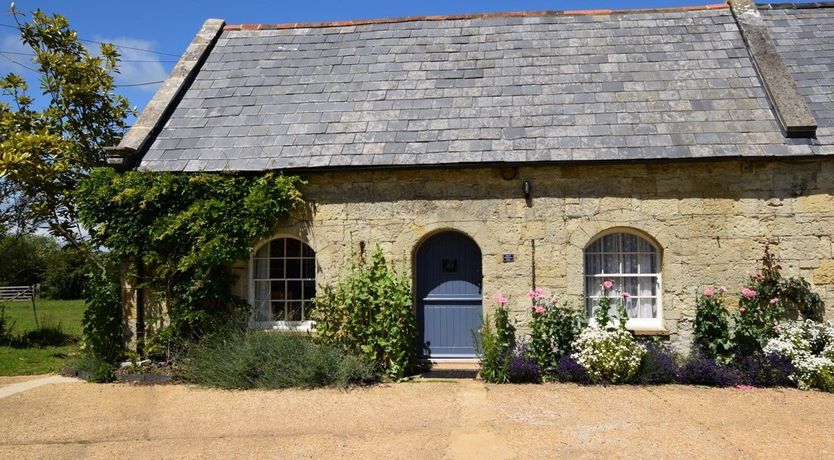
<point>633,263</point>
<point>283,283</point>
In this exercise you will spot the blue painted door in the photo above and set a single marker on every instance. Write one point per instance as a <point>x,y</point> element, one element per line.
<point>448,289</point>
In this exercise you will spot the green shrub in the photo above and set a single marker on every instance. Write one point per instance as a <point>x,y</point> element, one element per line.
<point>6,326</point>
<point>268,360</point>
<point>25,259</point>
<point>769,299</point>
<point>554,328</point>
<point>495,342</point>
<point>370,313</point>
<point>712,326</point>
<point>98,370</point>
<point>102,320</point>
<point>65,274</point>
<point>182,232</point>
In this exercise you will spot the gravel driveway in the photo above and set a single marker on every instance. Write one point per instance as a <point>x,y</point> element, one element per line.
<point>422,419</point>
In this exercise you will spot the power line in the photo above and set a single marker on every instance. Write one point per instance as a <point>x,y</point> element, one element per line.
<point>3,55</point>
<point>126,85</point>
<point>18,53</point>
<point>103,43</point>
<point>140,84</point>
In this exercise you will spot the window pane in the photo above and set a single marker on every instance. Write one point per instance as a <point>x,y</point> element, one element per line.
<point>261,269</point>
<point>648,286</point>
<point>646,309</point>
<point>293,269</point>
<point>276,248</point>
<point>293,248</point>
<point>278,290</point>
<point>294,311</point>
<point>262,311</point>
<point>294,290</point>
<point>307,307</point>
<point>593,264</point>
<point>308,251</point>
<point>630,263</point>
<point>309,289</point>
<point>630,285</point>
<point>278,313</point>
<point>261,290</point>
<point>611,263</point>
<point>596,246</point>
<point>629,243</point>
<point>263,252</point>
<point>276,269</point>
<point>592,286</point>
<point>308,268</point>
<point>645,246</point>
<point>611,243</point>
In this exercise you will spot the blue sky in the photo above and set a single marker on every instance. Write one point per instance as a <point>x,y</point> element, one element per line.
<point>168,26</point>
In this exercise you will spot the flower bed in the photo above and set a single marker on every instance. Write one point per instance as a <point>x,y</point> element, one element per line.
<point>774,337</point>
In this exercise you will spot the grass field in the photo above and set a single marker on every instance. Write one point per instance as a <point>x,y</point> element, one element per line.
<point>37,353</point>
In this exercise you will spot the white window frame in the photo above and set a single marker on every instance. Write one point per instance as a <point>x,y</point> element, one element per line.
<point>299,326</point>
<point>633,324</point>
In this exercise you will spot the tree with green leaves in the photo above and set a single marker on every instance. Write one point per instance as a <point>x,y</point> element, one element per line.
<point>47,147</point>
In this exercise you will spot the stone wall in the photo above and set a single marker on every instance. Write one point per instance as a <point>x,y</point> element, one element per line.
<point>711,220</point>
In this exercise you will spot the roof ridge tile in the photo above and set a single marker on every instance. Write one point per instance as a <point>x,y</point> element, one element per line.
<point>454,17</point>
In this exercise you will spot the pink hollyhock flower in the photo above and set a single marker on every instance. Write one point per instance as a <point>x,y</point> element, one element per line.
<point>708,292</point>
<point>749,293</point>
<point>626,295</point>
<point>742,309</point>
<point>532,295</point>
<point>722,289</point>
<point>774,300</point>
<point>539,309</point>
<point>500,298</point>
<point>744,387</point>
<point>539,292</point>
<point>607,284</point>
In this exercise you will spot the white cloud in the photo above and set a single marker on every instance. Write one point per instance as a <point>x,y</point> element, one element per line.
<point>136,72</point>
<point>150,69</point>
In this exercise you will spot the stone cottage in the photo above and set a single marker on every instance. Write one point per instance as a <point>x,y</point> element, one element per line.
<point>662,149</point>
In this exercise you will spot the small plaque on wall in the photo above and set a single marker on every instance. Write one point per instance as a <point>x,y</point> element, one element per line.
<point>509,258</point>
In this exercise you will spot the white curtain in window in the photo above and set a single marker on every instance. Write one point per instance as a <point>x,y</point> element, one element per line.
<point>632,263</point>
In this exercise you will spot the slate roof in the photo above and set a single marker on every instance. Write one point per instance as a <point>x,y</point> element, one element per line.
<point>496,89</point>
<point>805,39</point>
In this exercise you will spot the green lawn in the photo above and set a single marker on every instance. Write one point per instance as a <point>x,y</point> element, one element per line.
<point>27,356</point>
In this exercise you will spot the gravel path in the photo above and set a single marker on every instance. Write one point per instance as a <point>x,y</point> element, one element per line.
<point>445,419</point>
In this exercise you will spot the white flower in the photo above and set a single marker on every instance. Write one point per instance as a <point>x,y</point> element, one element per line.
<point>809,346</point>
<point>610,355</point>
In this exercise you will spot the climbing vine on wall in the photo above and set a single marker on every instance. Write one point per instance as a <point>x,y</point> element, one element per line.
<point>181,232</point>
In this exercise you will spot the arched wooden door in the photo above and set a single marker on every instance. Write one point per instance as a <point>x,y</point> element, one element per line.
<point>449,305</point>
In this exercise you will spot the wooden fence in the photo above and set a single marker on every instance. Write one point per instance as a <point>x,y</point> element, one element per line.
<point>10,293</point>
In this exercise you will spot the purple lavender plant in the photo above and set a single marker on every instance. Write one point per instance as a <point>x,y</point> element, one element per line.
<point>570,370</point>
<point>658,366</point>
<point>705,371</point>
<point>523,367</point>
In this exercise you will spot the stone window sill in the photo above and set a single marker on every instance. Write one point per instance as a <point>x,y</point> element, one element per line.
<point>646,332</point>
